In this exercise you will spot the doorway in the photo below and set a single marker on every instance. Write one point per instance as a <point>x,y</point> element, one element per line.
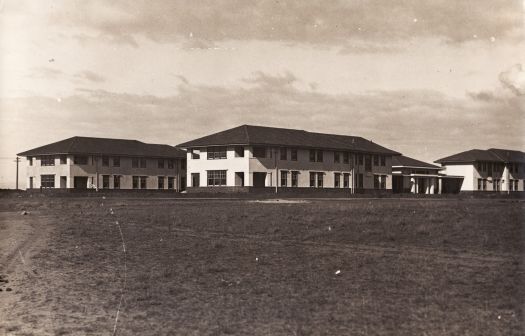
<point>195,179</point>
<point>63,182</point>
<point>80,182</point>
<point>259,180</point>
<point>239,179</point>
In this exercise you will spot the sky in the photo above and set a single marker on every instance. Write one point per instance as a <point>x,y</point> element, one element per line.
<point>425,78</point>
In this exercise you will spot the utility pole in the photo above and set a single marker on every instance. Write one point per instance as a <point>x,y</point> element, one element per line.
<point>17,160</point>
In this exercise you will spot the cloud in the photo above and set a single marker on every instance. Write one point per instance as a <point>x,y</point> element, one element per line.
<point>316,22</point>
<point>90,76</point>
<point>277,81</point>
<point>485,96</point>
<point>44,73</point>
<point>514,79</point>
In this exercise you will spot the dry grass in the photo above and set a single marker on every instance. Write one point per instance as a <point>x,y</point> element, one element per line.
<point>444,267</point>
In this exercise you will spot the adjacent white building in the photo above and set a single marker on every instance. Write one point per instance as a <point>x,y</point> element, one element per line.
<point>100,163</point>
<point>487,170</point>
<point>254,156</point>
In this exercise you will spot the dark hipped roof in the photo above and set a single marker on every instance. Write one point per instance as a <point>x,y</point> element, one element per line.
<point>405,161</point>
<point>260,135</point>
<point>492,155</point>
<point>104,146</point>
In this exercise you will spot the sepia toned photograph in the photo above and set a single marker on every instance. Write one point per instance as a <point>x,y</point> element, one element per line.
<point>262,167</point>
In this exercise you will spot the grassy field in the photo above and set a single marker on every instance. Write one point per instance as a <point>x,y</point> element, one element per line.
<point>181,267</point>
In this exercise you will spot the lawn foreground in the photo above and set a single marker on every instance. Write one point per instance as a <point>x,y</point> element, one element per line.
<point>212,267</point>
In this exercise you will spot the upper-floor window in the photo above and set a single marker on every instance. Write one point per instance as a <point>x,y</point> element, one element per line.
<point>63,159</point>
<point>195,154</point>
<point>239,151</point>
<point>293,154</point>
<point>116,161</point>
<point>383,160</point>
<point>30,159</point>
<point>368,163</point>
<point>160,163</point>
<point>337,157</point>
<point>80,159</point>
<point>105,161</point>
<point>135,163</point>
<point>47,160</point>
<point>216,153</point>
<point>171,164</point>
<point>143,163</point>
<point>360,159</point>
<point>346,157</point>
<point>259,152</point>
<point>316,155</point>
<point>283,153</point>
<point>376,160</point>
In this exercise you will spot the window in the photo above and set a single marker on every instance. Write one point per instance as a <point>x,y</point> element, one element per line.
<point>183,164</point>
<point>368,163</point>
<point>346,180</point>
<point>319,156</point>
<point>134,163</point>
<point>480,184</point>
<point>484,184</point>
<point>143,182</point>
<point>511,185</point>
<point>360,158</point>
<point>160,163</point>
<point>283,154</point>
<point>135,182</point>
<point>293,154</point>
<point>47,181</point>
<point>31,182</point>
<point>360,182</point>
<point>216,153</point>
<point>320,180</point>
<point>312,155</point>
<point>337,158</point>
<point>312,179</point>
<point>105,161</point>
<point>516,185</point>
<point>30,159</point>
<point>194,154</point>
<point>383,160</point>
<point>376,160</point>
<point>63,159</point>
<point>171,182</point>
<point>284,178</point>
<point>105,181</point>
<point>116,182</point>
<point>259,152</point>
<point>142,163</point>
<point>116,161</point>
<point>337,180</point>
<point>383,182</point>
<point>239,151</point>
<point>170,164</point>
<point>295,178</point>
<point>160,182</point>
<point>346,157</point>
<point>47,160</point>
<point>216,178</point>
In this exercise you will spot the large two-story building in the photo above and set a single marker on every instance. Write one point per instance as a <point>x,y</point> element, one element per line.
<point>487,170</point>
<point>255,156</point>
<point>100,163</point>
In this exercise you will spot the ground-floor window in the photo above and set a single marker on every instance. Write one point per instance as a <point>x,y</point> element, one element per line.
<point>143,182</point>
<point>116,182</point>
<point>379,181</point>
<point>216,178</point>
<point>160,182</point>
<point>135,182</point>
<point>320,177</point>
<point>295,179</point>
<point>105,181</point>
<point>346,180</point>
<point>312,179</point>
<point>171,182</point>
<point>316,179</point>
<point>284,178</point>
<point>482,184</point>
<point>516,185</point>
<point>31,182</point>
<point>337,180</point>
<point>383,182</point>
<point>47,181</point>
